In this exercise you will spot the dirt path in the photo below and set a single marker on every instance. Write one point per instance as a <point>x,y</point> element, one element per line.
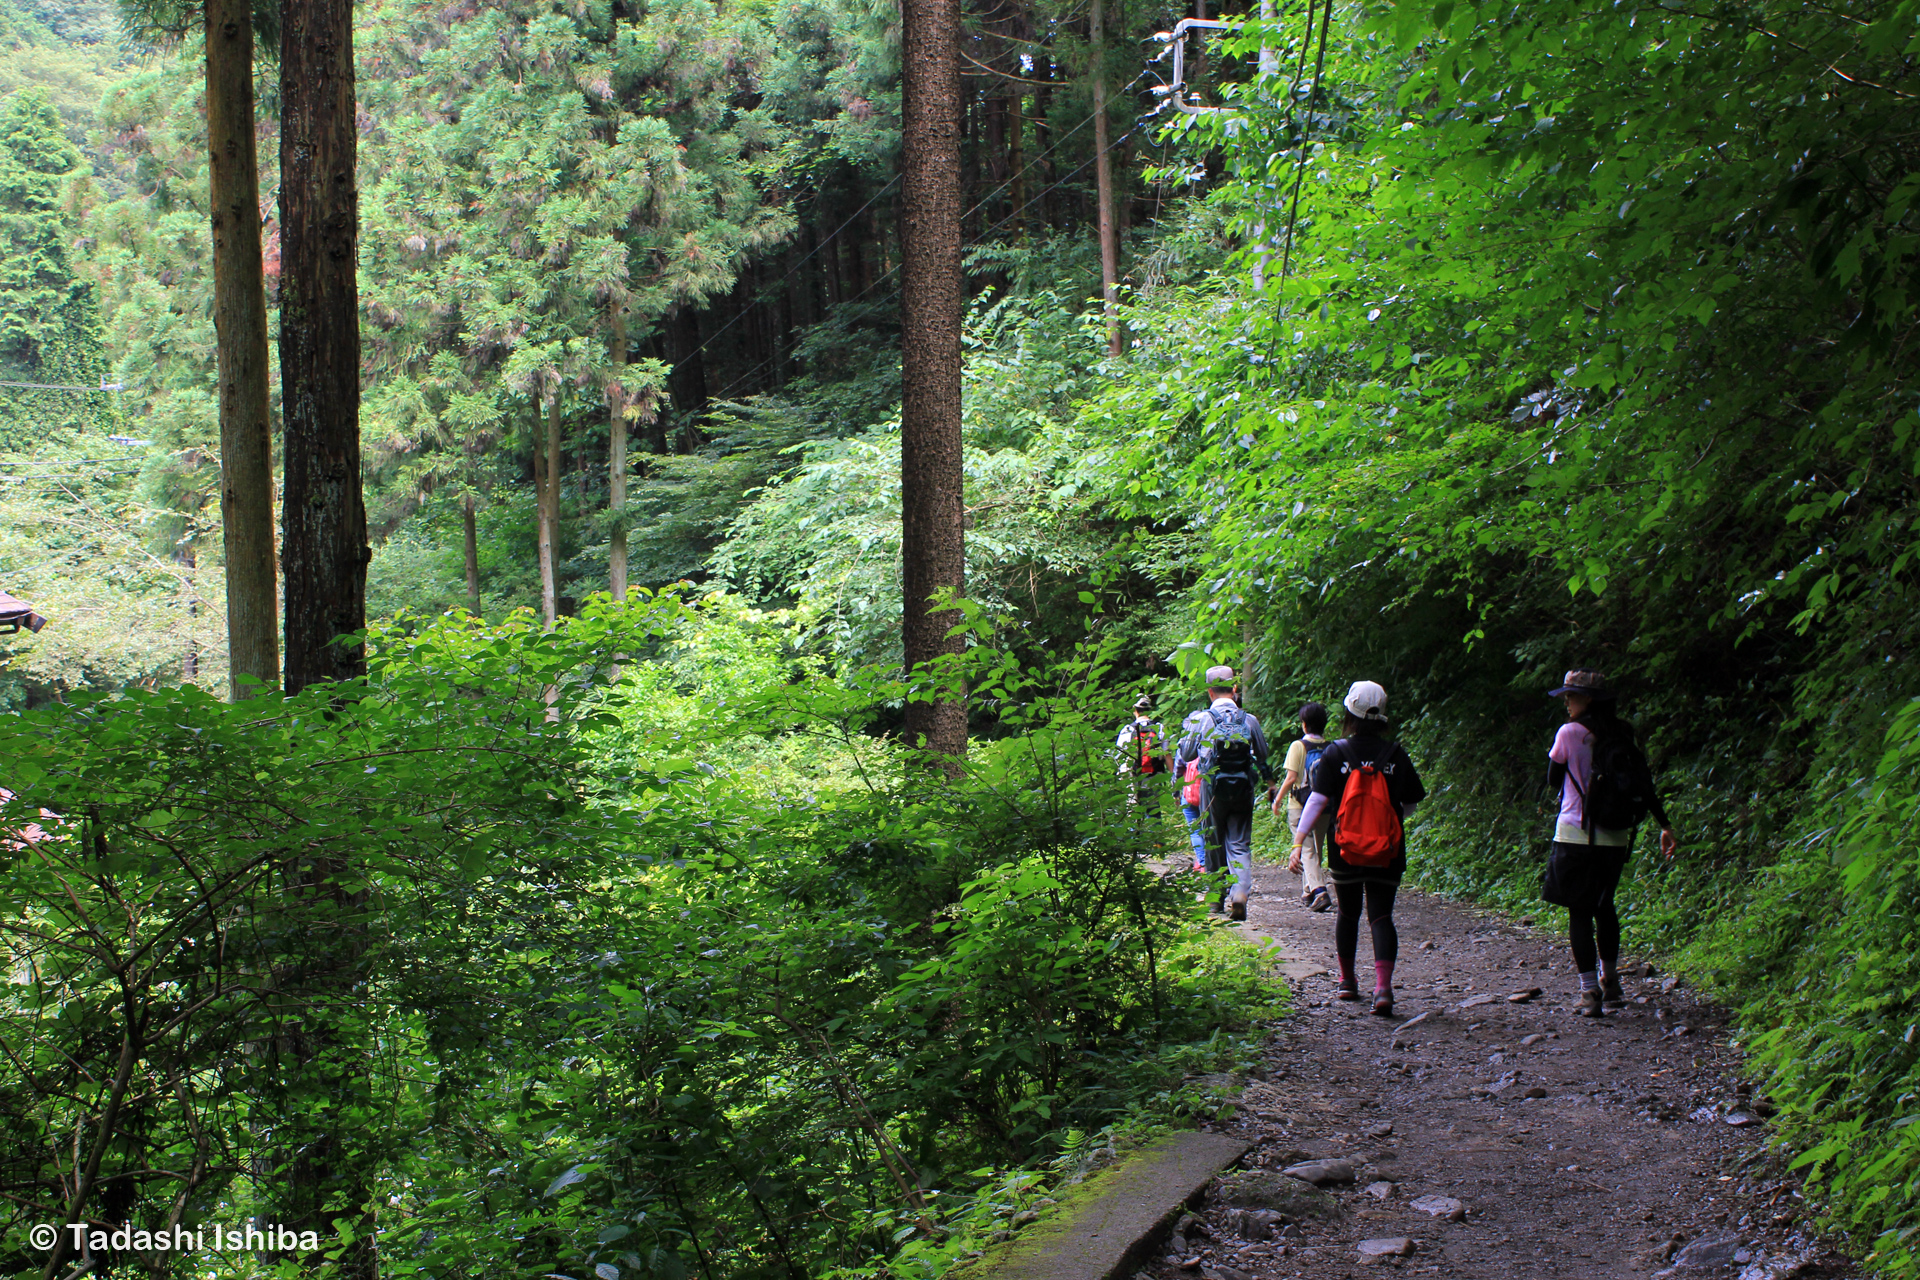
<point>1576,1147</point>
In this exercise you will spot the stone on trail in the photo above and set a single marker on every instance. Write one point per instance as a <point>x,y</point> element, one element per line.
<point>1380,1130</point>
<point>1704,1255</point>
<point>1392,1247</point>
<point>1441,1207</point>
<point>1521,997</point>
<point>1291,1198</point>
<point>1321,1172</point>
<point>1255,1224</point>
<point>1739,1119</point>
<point>1218,1272</point>
<point>1380,1190</point>
<point>1415,1021</point>
<point>1527,1042</point>
<point>1474,1002</point>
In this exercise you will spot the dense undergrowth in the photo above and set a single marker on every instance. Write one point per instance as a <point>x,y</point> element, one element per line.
<point>695,977</point>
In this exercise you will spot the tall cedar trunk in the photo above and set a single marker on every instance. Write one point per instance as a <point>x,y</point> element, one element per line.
<point>240,331</point>
<point>325,554</point>
<point>472,539</point>
<point>933,505</point>
<point>617,457</point>
<point>1103,178</point>
<point>324,544</point>
<point>546,450</point>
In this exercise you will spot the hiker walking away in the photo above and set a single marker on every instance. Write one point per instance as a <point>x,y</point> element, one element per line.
<point>1370,786</point>
<point>1231,753</point>
<point>1186,783</point>
<point>1304,753</point>
<point>1605,789</point>
<point>1143,751</point>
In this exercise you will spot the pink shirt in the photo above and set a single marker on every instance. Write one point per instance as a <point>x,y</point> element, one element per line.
<point>1573,747</point>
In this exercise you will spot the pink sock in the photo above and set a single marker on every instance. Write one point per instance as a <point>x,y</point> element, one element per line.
<point>1383,975</point>
<point>1346,971</point>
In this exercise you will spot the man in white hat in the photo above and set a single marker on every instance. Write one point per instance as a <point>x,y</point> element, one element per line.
<point>1231,751</point>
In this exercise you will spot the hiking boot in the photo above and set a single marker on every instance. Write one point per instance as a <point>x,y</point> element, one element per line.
<point>1238,911</point>
<point>1610,992</point>
<point>1589,1006</point>
<point>1322,900</point>
<point>1349,989</point>
<point>1383,1002</point>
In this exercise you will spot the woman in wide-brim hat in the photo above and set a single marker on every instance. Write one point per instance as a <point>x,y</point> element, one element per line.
<point>1587,860</point>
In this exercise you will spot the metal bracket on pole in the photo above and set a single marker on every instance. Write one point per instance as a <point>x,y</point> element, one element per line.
<point>1176,42</point>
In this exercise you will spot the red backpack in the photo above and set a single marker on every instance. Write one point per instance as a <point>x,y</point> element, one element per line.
<point>1149,743</point>
<point>1190,794</point>
<point>1369,831</point>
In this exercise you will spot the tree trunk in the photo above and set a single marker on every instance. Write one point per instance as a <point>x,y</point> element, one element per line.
<point>547,498</point>
<point>617,459</point>
<point>324,545</point>
<point>325,554</point>
<point>240,334</point>
<point>472,539</point>
<point>933,506</point>
<point>1103,178</point>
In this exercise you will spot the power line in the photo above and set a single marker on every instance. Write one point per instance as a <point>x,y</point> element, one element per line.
<point>63,386</point>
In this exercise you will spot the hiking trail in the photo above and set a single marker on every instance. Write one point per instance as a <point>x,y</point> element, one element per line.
<point>1473,1135</point>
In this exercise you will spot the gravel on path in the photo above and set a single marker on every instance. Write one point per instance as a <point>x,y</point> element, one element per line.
<point>1475,1135</point>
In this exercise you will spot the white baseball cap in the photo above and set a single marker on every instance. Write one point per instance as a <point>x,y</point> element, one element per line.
<point>1366,700</point>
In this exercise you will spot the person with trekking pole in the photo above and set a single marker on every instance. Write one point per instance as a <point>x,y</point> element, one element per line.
<point>1368,783</point>
<point>1316,888</point>
<point>1228,752</point>
<point>1605,789</point>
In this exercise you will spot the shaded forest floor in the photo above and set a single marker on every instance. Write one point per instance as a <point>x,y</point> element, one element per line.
<point>1575,1147</point>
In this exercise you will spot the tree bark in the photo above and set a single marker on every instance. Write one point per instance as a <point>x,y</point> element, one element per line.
<point>324,543</point>
<point>933,507</point>
<point>547,481</point>
<point>240,337</point>
<point>1103,178</point>
<point>472,540</point>
<point>617,458</point>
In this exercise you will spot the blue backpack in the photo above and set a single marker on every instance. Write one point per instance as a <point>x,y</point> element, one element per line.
<point>1314,751</point>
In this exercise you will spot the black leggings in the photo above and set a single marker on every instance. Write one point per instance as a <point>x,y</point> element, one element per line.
<point>1582,926</point>
<point>1378,897</point>
<point>1594,931</point>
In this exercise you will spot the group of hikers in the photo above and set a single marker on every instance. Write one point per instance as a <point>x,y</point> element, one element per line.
<point>1347,802</point>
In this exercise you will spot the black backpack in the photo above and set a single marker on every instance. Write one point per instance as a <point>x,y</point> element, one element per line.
<point>1616,794</point>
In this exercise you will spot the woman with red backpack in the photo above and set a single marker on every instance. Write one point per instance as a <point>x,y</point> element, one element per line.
<point>1369,784</point>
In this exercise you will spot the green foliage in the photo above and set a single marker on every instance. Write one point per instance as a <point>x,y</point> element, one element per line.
<point>622,995</point>
<point>49,332</point>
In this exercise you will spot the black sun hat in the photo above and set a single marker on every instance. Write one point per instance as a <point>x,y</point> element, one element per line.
<point>1591,683</point>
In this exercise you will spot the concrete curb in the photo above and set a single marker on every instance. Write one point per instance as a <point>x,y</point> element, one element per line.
<point>1117,1218</point>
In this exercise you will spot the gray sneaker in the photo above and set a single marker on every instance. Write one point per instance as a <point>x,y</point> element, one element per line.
<point>1589,1006</point>
<point>1610,992</point>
